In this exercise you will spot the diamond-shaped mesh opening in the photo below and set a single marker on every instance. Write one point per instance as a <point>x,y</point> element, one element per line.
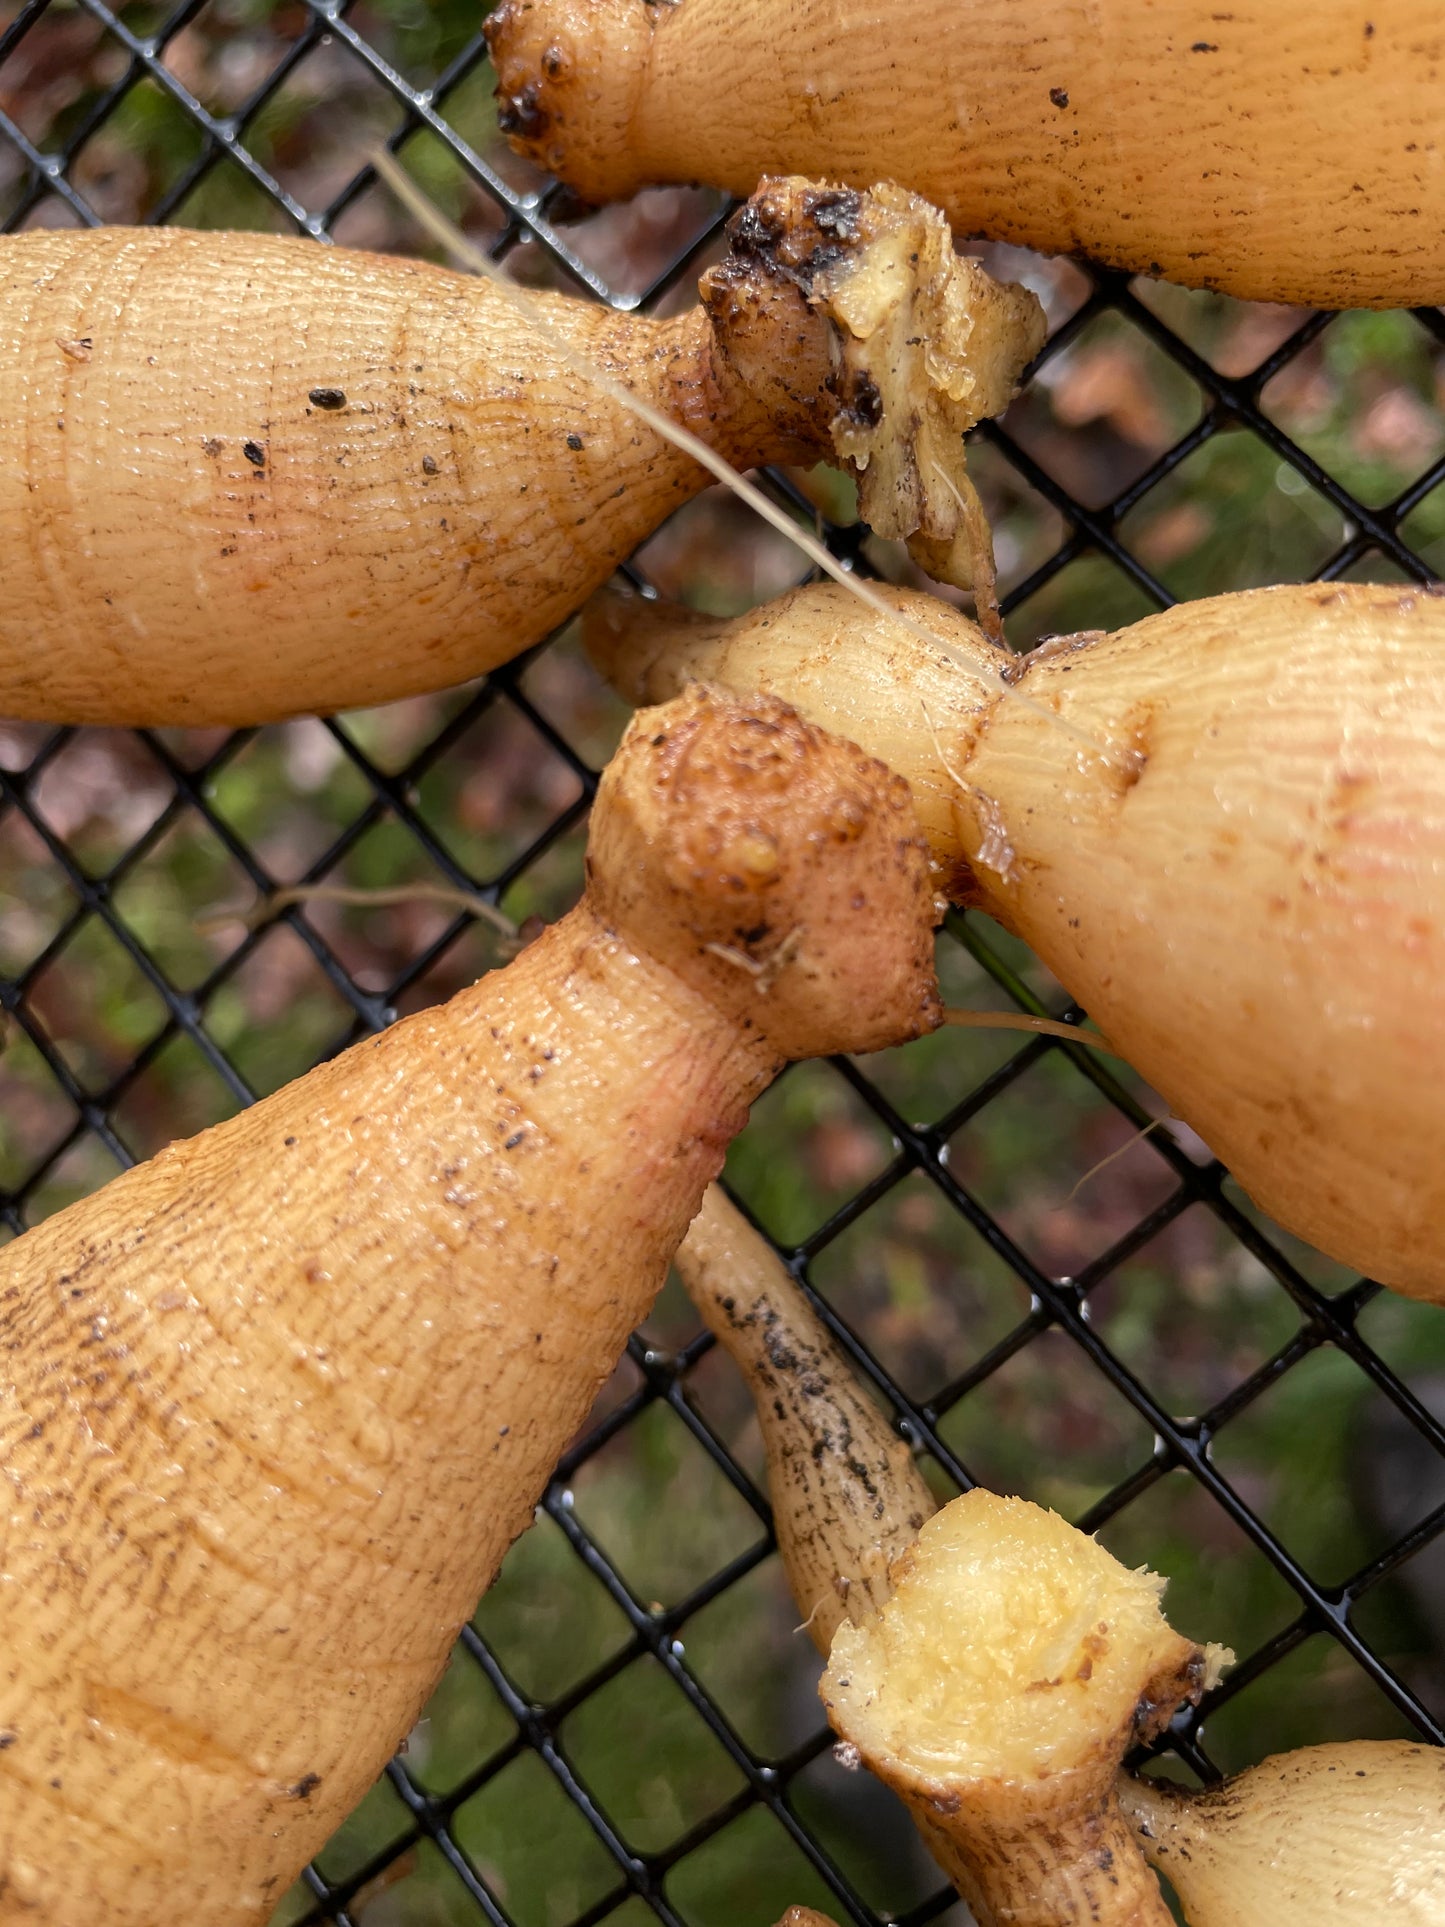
<point>1366,399</point>
<point>1043,1291</point>
<point>1112,380</point>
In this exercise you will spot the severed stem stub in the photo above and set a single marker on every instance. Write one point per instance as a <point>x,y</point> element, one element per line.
<point>924,344</point>
<point>847,1495</point>
<point>1014,1665</point>
<point>989,1662</point>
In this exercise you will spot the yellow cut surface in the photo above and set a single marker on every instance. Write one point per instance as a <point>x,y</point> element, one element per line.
<point>1012,1644</point>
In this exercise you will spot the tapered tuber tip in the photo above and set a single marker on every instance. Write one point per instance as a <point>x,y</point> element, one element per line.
<point>1287,1841</point>
<point>568,77</point>
<point>639,644</point>
<point>776,868</point>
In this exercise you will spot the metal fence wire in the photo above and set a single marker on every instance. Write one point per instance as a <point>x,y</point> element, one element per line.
<point>629,1725</point>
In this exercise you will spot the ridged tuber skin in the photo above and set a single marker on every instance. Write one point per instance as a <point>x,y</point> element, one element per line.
<point>251,477</point>
<point>1223,830</point>
<point>274,1404</point>
<point>1013,1666</point>
<point>847,1496</point>
<point>1330,1836</point>
<point>1274,151</point>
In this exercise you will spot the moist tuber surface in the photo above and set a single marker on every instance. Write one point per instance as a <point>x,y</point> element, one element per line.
<point>1223,830</point>
<point>274,1404</point>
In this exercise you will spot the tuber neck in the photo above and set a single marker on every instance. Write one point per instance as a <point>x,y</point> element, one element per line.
<point>1041,1871</point>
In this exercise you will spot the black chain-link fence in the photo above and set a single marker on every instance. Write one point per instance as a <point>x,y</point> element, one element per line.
<point>629,1727</point>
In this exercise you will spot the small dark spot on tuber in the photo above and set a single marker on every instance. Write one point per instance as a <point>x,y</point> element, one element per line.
<point>1059,96</point>
<point>254,454</point>
<point>428,464</point>
<point>328,398</point>
<point>522,113</point>
<point>574,441</point>
<point>304,1787</point>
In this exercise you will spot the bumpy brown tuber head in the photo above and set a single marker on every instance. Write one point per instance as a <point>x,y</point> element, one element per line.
<point>776,868</point>
<point>568,81</point>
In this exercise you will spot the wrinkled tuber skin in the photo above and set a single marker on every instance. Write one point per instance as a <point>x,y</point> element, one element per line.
<point>847,1496</point>
<point>274,1404</point>
<point>1012,1668</point>
<point>1352,1832</point>
<point>252,477</point>
<point>1275,151</point>
<point>1222,829</point>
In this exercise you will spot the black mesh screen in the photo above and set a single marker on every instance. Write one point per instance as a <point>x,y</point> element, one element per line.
<point>1046,1279</point>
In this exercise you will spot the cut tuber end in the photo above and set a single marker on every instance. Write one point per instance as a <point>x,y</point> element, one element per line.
<point>1014,1648</point>
<point>775,867</point>
<point>1013,1667</point>
<point>921,344</point>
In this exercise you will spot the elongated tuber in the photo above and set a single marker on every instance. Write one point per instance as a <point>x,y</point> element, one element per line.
<point>1223,829</point>
<point>249,477</point>
<point>997,1691</point>
<point>1330,1834</point>
<point>997,1596</point>
<point>1279,152</point>
<point>273,1405</point>
<point>847,1496</point>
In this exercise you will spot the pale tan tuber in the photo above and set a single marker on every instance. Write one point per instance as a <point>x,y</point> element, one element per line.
<point>274,1404</point>
<point>1330,1836</point>
<point>847,1496</point>
<point>249,477</point>
<point>1277,151</point>
<point>1223,830</point>
<point>997,1691</point>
